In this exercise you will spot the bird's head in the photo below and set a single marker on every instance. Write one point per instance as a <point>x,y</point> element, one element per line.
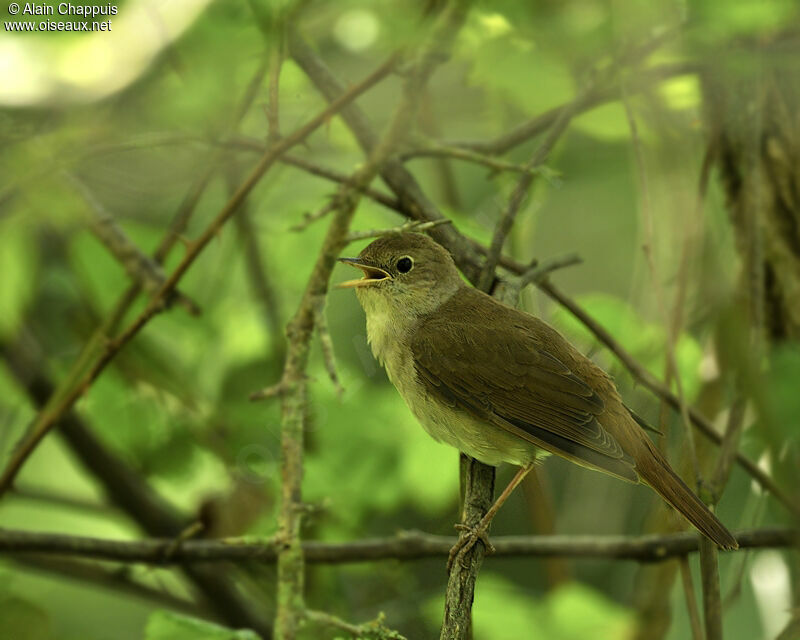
<point>405,273</point>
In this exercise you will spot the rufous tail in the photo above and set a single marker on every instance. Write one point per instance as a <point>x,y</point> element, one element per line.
<point>656,472</point>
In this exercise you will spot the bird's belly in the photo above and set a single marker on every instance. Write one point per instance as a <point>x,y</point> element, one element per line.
<point>479,439</point>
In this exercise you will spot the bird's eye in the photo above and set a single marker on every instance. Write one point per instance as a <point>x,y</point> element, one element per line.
<point>405,264</point>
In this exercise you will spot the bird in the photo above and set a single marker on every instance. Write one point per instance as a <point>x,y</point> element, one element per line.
<point>501,385</point>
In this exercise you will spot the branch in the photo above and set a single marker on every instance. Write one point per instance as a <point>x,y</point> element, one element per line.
<point>374,629</point>
<point>411,225</point>
<point>440,150</point>
<point>410,545</point>
<point>521,191</point>
<point>50,417</point>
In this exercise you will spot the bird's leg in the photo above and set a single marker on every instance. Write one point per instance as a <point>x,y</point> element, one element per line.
<point>470,535</point>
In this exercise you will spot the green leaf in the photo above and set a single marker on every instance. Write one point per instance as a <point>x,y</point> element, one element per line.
<point>781,389</point>
<point>165,625</point>
<point>574,611</point>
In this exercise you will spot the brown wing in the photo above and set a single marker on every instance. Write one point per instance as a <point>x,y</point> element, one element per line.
<point>498,370</point>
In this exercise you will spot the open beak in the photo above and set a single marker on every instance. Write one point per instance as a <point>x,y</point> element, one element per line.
<point>371,274</point>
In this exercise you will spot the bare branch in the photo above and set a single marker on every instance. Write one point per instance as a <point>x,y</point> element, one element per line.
<point>521,191</point>
<point>374,629</point>
<point>691,599</point>
<point>412,225</point>
<point>328,357</point>
<point>409,545</point>
<point>440,150</point>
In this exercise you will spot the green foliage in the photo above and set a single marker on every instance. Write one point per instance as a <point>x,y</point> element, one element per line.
<point>166,625</point>
<point>646,341</point>
<point>503,611</point>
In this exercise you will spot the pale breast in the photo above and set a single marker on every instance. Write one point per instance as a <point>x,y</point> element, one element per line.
<point>388,339</point>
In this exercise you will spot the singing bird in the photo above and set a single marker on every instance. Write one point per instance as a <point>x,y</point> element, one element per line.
<point>499,384</point>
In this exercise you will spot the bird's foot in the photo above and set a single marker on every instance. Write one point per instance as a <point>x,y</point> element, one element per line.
<point>469,536</point>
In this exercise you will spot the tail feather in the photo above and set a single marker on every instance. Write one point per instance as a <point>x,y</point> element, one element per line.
<point>660,476</point>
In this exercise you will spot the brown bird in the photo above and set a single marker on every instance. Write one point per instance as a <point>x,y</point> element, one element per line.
<point>499,384</point>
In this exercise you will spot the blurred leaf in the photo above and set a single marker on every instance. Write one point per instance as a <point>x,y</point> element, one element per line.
<point>574,611</point>
<point>23,620</point>
<point>533,79</point>
<point>165,625</point>
<point>607,122</point>
<point>720,19</point>
<point>646,341</point>
<point>782,390</point>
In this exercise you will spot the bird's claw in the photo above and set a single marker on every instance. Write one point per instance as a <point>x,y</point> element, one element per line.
<point>469,536</point>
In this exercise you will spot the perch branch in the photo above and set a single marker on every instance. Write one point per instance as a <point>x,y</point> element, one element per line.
<point>409,545</point>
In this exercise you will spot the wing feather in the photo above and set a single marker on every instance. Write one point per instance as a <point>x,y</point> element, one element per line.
<point>503,374</point>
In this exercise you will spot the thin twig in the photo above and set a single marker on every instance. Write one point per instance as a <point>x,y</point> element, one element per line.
<point>258,272</point>
<point>691,598</point>
<point>47,419</point>
<point>376,629</point>
<point>328,357</point>
<point>291,565</point>
<point>256,146</point>
<point>521,191</point>
<point>536,273</point>
<point>275,64</point>
<point>440,150</point>
<point>647,248</point>
<point>412,225</point>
